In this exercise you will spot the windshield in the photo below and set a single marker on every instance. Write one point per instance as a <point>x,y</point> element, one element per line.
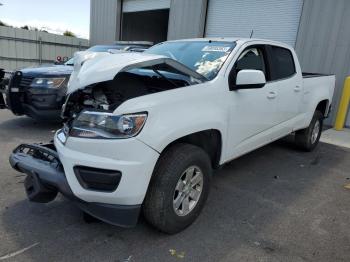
<point>204,57</point>
<point>70,62</point>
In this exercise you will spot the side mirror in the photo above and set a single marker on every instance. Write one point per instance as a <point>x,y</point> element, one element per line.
<point>249,78</point>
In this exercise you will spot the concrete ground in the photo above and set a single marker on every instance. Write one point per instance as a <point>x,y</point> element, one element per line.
<point>274,204</point>
<point>338,138</point>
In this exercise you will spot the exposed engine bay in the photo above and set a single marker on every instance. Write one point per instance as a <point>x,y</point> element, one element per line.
<point>108,95</point>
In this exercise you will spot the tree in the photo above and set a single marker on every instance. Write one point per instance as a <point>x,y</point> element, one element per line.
<point>69,33</point>
<point>2,23</point>
<point>25,27</point>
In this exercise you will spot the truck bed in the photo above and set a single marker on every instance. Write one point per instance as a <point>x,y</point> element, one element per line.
<point>318,86</point>
<point>310,75</point>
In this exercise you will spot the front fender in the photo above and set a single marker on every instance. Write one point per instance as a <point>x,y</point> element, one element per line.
<point>163,131</point>
<point>180,112</point>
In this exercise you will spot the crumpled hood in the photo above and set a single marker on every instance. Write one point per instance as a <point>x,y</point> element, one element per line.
<point>93,67</point>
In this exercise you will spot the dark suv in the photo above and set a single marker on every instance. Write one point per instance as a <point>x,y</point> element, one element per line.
<point>40,92</point>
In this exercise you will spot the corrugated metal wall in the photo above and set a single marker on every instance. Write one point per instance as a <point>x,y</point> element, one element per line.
<point>271,19</point>
<point>23,48</point>
<point>186,19</point>
<point>104,21</point>
<point>323,42</point>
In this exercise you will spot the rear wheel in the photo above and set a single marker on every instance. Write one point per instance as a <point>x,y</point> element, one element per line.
<point>179,188</point>
<point>308,138</point>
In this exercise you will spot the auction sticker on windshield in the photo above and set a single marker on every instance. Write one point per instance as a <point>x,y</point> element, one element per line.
<point>209,48</point>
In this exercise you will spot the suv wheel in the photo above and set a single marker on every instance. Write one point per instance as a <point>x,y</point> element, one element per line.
<point>179,188</point>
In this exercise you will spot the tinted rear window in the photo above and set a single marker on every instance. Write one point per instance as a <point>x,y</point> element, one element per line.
<point>283,64</point>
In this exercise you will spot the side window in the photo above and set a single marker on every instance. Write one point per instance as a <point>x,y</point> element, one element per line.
<point>283,63</point>
<point>251,58</point>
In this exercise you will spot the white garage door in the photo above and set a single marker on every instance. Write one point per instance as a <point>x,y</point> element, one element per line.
<point>144,5</point>
<point>271,19</point>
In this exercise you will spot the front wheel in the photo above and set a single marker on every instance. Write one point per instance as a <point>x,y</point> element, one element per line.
<point>308,138</point>
<point>179,188</point>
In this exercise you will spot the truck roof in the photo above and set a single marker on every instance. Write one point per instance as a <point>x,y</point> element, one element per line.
<point>232,39</point>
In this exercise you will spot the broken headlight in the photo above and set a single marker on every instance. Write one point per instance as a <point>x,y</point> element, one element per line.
<point>92,124</point>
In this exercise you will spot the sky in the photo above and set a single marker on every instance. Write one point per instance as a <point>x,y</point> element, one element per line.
<point>54,16</point>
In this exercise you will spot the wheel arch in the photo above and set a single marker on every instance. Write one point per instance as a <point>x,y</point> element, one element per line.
<point>209,140</point>
<point>323,107</point>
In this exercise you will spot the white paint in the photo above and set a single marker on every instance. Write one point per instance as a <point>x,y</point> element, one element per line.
<point>93,67</point>
<point>250,77</point>
<point>13,254</point>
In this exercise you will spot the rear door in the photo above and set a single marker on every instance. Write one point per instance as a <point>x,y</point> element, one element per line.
<point>287,82</point>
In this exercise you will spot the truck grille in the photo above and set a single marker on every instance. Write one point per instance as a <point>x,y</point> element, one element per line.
<point>26,81</point>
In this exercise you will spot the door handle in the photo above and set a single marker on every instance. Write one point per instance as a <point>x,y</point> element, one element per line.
<point>297,89</point>
<point>271,95</point>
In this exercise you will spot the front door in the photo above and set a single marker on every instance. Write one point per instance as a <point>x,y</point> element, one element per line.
<point>253,112</point>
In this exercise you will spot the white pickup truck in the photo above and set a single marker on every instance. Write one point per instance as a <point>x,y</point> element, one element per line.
<point>143,131</point>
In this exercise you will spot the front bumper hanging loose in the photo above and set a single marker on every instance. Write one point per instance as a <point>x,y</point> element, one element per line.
<point>46,177</point>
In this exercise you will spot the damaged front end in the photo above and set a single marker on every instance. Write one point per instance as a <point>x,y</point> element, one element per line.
<point>98,86</point>
<point>135,75</point>
<point>94,101</point>
<point>45,174</point>
<point>46,178</point>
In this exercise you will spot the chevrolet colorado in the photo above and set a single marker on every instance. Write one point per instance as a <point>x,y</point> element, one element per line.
<point>143,131</point>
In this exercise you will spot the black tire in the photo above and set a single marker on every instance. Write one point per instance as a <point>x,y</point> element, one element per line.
<point>158,205</point>
<point>303,138</point>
